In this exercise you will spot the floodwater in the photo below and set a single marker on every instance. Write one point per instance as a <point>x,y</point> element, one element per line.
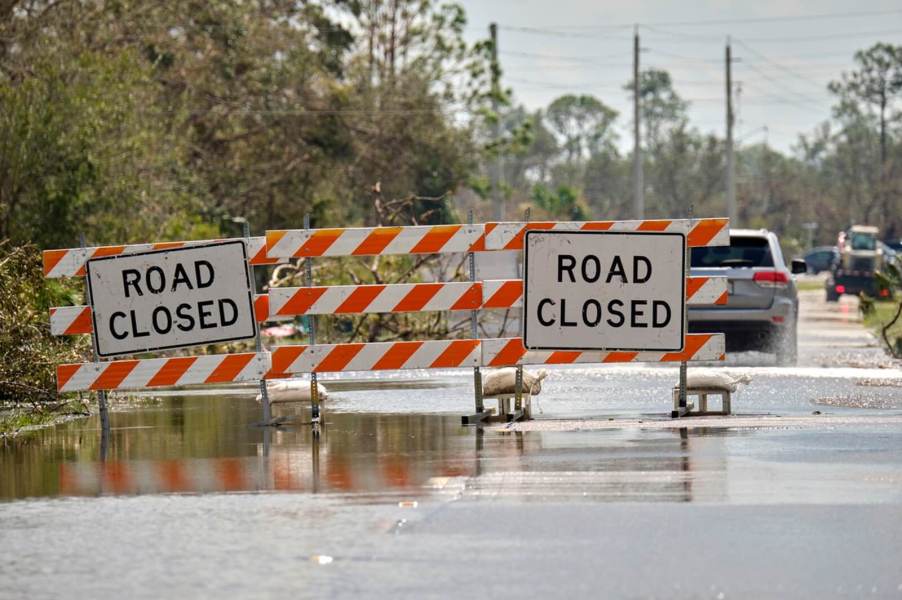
<point>797,495</point>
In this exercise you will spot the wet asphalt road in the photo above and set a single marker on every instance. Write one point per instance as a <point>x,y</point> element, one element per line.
<point>600,496</point>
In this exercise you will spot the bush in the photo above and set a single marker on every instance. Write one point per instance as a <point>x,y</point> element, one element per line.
<point>28,353</point>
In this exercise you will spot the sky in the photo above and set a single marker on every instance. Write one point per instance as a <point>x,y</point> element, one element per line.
<point>785,53</point>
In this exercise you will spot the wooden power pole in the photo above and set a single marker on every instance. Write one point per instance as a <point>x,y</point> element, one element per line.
<point>731,169</point>
<point>638,187</point>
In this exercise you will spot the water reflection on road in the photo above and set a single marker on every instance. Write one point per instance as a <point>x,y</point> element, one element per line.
<point>208,444</point>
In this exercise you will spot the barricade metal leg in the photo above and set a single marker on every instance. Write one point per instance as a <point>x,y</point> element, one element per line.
<point>518,386</point>
<point>101,394</point>
<point>481,413</point>
<point>311,329</point>
<point>258,340</point>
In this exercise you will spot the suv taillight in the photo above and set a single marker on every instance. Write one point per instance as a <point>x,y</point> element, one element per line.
<point>771,279</point>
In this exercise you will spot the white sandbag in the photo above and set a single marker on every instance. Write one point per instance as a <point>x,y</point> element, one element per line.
<point>291,390</point>
<point>504,381</point>
<point>699,378</point>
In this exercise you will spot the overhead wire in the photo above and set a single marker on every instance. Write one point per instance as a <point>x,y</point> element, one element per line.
<point>735,21</point>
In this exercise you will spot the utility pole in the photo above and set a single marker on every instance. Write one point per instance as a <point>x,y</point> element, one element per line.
<point>496,169</point>
<point>731,174</point>
<point>638,187</point>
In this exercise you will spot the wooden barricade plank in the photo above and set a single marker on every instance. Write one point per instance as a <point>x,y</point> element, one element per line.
<point>387,298</point>
<point>371,241</point>
<point>133,374</point>
<point>508,352</point>
<point>699,232</point>
<point>375,356</point>
<point>70,262</point>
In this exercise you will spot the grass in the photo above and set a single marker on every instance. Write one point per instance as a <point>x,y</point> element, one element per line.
<point>809,285</point>
<point>15,418</point>
<point>883,313</point>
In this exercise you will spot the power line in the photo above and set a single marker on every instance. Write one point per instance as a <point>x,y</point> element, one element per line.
<point>708,22</point>
<point>767,40</point>
<point>777,65</point>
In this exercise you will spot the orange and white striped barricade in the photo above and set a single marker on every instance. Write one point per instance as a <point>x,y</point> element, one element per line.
<point>698,232</point>
<point>371,241</point>
<point>143,373</point>
<point>384,298</point>
<point>509,352</point>
<point>71,262</point>
<point>375,356</point>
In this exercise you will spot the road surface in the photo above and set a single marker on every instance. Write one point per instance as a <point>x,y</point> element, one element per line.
<point>797,495</point>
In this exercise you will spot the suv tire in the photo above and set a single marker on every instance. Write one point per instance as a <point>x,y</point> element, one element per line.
<point>787,349</point>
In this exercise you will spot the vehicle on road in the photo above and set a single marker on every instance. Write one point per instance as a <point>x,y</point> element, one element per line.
<point>762,308</point>
<point>860,256</point>
<point>821,259</point>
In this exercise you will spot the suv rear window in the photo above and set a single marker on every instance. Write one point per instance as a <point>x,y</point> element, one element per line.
<point>743,252</point>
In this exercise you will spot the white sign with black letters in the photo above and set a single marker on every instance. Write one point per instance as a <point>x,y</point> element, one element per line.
<point>173,298</point>
<point>600,290</point>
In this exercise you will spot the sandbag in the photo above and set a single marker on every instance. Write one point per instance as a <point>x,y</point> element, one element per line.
<point>715,380</point>
<point>504,381</point>
<point>291,390</point>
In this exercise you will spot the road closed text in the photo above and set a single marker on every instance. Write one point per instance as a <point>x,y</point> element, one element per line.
<point>186,316</point>
<point>172,298</point>
<point>616,312</point>
<point>599,290</point>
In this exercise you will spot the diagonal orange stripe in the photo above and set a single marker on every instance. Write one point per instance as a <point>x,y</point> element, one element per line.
<point>396,356</point>
<point>562,357</point>
<point>694,284</point>
<point>273,237</point>
<point>339,357</point>
<point>81,324</point>
<point>417,297</point>
<point>51,258</point>
<point>435,239</point>
<point>283,357</point>
<point>376,241</point>
<point>506,295</point>
<point>99,253</point>
<point>260,258</point>
<point>724,298</point>
<point>517,242</point>
<point>301,301</point>
<point>229,368</point>
<point>479,245</point>
<point>705,231</point>
<point>597,225</point>
<point>359,299</point>
<point>171,371</point>
<point>114,374</point>
<point>167,245</point>
<point>454,354</point>
<point>618,357</point>
<point>107,251</point>
<point>471,299</point>
<point>512,352</point>
<point>654,225</point>
<point>319,242</point>
<point>261,308</point>
<point>64,373</point>
<point>693,343</point>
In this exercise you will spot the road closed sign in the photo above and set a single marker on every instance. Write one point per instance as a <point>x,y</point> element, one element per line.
<point>600,290</point>
<point>173,298</point>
